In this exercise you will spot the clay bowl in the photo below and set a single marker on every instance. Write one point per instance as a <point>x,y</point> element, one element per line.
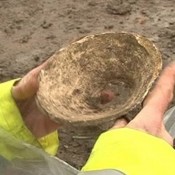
<point>98,78</point>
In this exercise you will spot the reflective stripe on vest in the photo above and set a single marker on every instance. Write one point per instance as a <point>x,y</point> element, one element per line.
<point>102,172</point>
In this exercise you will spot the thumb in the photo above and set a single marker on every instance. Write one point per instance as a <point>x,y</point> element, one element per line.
<point>28,85</point>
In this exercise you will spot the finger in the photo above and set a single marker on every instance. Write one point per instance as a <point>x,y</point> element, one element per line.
<point>166,136</point>
<point>120,123</point>
<point>28,85</point>
<point>162,94</point>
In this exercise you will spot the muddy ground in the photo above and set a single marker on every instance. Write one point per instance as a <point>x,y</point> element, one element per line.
<point>32,30</point>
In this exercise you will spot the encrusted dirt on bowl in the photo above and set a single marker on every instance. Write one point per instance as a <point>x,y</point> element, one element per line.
<point>72,87</point>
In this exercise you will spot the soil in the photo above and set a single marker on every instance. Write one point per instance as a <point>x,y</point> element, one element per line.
<point>31,31</point>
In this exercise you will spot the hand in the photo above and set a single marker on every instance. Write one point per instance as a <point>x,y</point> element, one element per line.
<point>150,118</point>
<point>24,94</point>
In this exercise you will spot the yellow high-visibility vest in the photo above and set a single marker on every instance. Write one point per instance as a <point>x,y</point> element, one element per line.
<point>133,153</point>
<point>12,122</point>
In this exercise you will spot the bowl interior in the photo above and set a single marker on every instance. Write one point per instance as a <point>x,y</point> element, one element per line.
<point>96,77</point>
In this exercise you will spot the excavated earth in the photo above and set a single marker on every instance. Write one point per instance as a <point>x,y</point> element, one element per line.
<point>31,31</point>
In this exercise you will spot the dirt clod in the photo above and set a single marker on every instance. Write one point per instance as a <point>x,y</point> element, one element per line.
<point>118,8</point>
<point>106,96</point>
